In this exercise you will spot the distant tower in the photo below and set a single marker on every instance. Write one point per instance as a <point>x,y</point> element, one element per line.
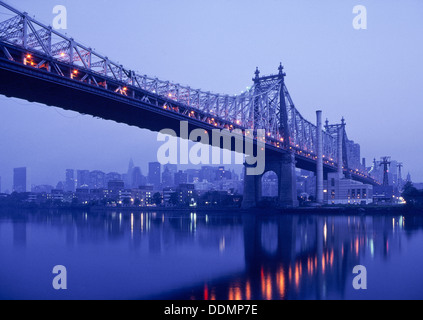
<point>20,180</point>
<point>385,162</point>
<point>154,174</point>
<point>400,182</point>
<point>70,180</point>
<point>129,181</point>
<point>138,178</point>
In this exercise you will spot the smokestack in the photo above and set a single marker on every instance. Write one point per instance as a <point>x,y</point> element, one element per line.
<point>319,171</point>
<point>340,152</point>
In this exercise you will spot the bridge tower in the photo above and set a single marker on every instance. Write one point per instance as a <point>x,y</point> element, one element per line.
<point>385,162</point>
<point>283,164</point>
<point>338,130</point>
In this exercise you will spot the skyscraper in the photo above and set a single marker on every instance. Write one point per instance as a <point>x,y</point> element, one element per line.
<point>113,176</point>
<point>193,175</point>
<point>181,178</point>
<point>207,173</point>
<point>70,180</point>
<point>128,180</point>
<point>97,180</point>
<point>168,178</point>
<point>173,168</point>
<point>223,174</point>
<point>154,173</point>
<point>138,179</point>
<point>20,180</point>
<point>83,178</point>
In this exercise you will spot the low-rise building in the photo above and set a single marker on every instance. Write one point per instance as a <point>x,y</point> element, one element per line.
<point>57,195</point>
<point>386,195</point>
<point>144,194</point>
<point>346,191</point>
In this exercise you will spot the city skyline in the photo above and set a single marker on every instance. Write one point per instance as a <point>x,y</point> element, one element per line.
<point>63,179</point>
<point>394,173</point>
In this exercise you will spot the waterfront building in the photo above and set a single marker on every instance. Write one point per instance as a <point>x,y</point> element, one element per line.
<point>167,196</point>
<point>83,194</point>
<point>144,194</point>
<point>115,188</point>
<point>187,195</point>
<point>345,191</point>
<point>57,195</point>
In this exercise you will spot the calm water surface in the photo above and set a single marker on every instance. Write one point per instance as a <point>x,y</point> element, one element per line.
<point>209,256</point>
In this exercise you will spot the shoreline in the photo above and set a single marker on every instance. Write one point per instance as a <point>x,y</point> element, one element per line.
<point>324,210</point>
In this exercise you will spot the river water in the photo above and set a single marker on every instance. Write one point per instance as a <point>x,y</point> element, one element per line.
<point>207,256</point>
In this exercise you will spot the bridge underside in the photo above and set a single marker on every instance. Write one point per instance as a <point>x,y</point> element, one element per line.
<point>85,99</point>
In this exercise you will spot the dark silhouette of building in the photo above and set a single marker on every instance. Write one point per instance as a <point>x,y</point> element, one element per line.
<point>207,174</point>
<point>115,187</point>
<point>181,178</point>
<point>154,173</point>
<point>97,180</point>
<point>187,195</point>
<point>193,175</point>
<point>83,178</point>
<point>128,180</point>
<point>112,176</point>
<point>70,180</point>
<point>42,189</point>
<point>137,178</point>
<point>168,178</point>
<point>20,180</point>
<point>223,174</point>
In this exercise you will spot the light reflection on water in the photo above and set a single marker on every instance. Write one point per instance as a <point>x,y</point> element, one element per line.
<point>134,255</point>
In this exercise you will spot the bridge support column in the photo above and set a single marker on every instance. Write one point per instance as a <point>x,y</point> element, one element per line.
<point>319,170</point>
<point>340,152</point>
<point>287,182</point>
<point>252,190</point>
<point>284,167</point>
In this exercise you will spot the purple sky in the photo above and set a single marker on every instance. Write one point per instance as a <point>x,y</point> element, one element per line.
<point>371,77</point>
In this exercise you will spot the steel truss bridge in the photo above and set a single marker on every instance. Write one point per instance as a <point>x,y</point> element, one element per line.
<point>42,65</point>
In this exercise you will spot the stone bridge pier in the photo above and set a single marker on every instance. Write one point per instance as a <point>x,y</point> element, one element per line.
<point>284,167</point>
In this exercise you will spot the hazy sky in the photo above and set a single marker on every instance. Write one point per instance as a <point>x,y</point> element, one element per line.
<point>374,77</point>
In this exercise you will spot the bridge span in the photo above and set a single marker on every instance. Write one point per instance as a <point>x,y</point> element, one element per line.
<point>41,65</point>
